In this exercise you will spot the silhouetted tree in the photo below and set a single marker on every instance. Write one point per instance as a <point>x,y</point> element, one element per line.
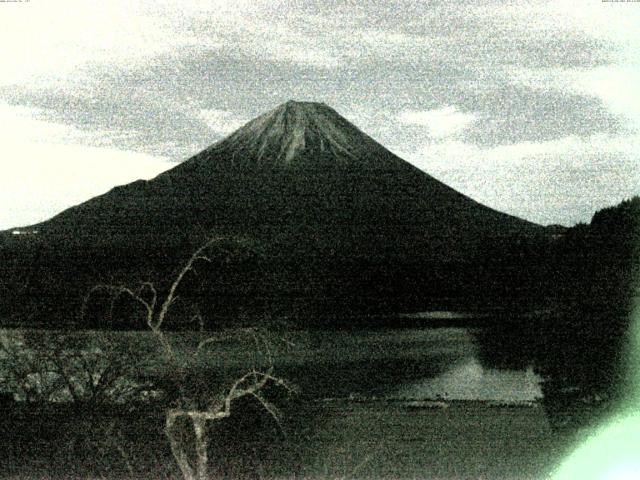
<point>203,405</point>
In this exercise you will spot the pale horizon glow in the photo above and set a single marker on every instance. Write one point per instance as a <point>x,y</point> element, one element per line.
<point>33,197</point>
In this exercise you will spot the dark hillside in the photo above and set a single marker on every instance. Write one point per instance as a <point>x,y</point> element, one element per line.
<point>578,343</point>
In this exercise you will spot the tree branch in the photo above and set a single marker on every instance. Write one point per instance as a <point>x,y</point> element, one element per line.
<point>197,255</point>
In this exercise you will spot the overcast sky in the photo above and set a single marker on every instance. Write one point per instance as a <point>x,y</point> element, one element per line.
<point>529,107</point>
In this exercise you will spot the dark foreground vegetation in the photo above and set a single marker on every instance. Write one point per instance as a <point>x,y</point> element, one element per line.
<point>589,282</point>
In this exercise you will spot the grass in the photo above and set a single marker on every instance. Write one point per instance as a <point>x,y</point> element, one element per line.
<point>466,440</point>
<point>339,439</point>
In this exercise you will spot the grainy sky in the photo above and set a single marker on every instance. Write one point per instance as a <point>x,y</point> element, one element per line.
<point>531,107</point>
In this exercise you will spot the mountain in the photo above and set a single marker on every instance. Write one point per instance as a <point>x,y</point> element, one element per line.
<point>330,211</point>
<point>300,165</point>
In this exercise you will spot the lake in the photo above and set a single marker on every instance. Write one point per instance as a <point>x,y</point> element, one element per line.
<point>368,411</point>
<point>418,364</point>
<point>393,364</point>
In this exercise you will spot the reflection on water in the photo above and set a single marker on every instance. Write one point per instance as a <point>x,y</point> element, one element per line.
<point>469,380</point>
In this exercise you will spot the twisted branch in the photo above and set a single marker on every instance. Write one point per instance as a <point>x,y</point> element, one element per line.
<point>251,384</point>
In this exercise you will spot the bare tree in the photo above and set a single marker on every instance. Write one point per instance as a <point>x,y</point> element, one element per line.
<point>219,404</point>
<point>78,367</point>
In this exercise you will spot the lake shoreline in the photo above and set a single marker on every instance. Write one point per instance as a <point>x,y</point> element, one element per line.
<point>400,320</point>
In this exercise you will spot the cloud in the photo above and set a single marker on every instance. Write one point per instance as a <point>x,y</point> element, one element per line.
<point>617,86</point>
<point>558,181</point>
<point>141,118</point>
<point>222,121</point>
<point>393,55</point>
<point>442,122</point>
